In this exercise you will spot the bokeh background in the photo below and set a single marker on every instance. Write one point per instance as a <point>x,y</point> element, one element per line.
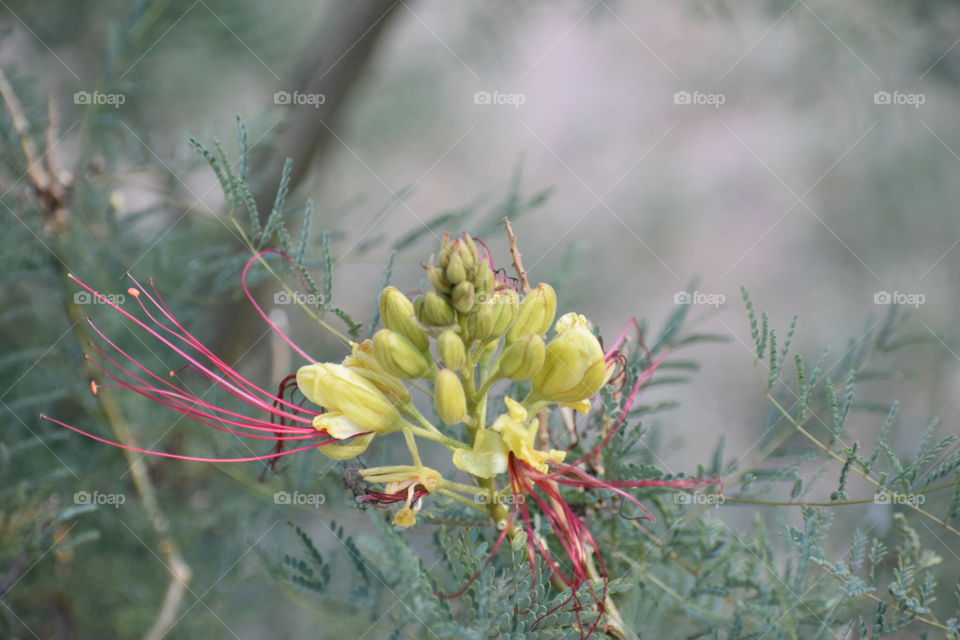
<point>806,149</point>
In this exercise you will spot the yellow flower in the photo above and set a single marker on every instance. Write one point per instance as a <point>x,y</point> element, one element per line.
<point>362,361</point>
<point>574,367</point>
<point>348,449</point>
<point>487,458</point>
<point>519,437</point>
<point>355,405</point>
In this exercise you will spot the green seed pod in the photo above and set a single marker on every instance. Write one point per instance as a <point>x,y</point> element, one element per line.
<point>449,398</point>
<point>397,313</point>
<point>463,297</point>
<point>398,356</point>
<point>523,358</point>
<point>536,313</point>
<point>453,353</point>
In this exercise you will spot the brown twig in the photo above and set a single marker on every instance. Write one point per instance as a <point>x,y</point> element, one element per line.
<point>517,258</point>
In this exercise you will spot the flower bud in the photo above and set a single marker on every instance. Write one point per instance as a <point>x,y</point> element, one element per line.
<point>523,358</point>
<point>439,280</point>
<point>483,279</point>
<point>397,313</point>
<point>453,353</point>
<point>462,297</point>
<point>507,303</point>
<point>536,313</point>
<point>449,398</point>
<point>480,322</point>
<point>362,361</point>
<point>455,271</point>
<point>348,448</point>
<point>398,356</point>
<point>574,367</point>
<point>434,310</point>
<point>349,395</point>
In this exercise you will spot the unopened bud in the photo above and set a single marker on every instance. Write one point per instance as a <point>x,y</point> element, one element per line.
<point>574,367</point>
<point>453,353</point>
<point>449,398</point>
<point>397,313</point>
<point>507,303</point>
<point>523,358</point>
<point>434,310</point>
<point>439,280</point>
<point>480,323</point>
<point>455,271</point>
<point>536,313</point>
<point>462,297</point>
<point>398,356</point>
<point>362,361</point>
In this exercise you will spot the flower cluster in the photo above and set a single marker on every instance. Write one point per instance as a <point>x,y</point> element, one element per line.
<point>454,344</point>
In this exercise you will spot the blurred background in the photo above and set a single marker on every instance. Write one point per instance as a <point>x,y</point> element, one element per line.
<point>651,153</point>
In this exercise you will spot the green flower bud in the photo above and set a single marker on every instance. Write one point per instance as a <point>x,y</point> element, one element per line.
<point>397,313</point>
<point>449,398</point>
<point>462,297</point>
<point>439,280</point>
<point>480,323</point>
<point>483,278</point>
<point>507,303</point>
<point>536,313</point>
<point>455,271</point>
<point>398,356</point>
<point>574,367</point>
<point>523,358</point>
<point>362,361</point>
<point>434,310</point>
<point>347,395</point>
<point>452,351</point>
